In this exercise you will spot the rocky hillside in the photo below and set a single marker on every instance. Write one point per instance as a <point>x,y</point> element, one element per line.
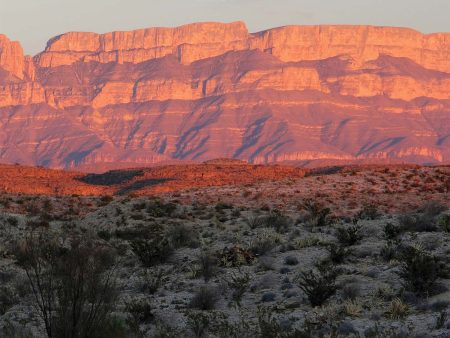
<point>208,90</point>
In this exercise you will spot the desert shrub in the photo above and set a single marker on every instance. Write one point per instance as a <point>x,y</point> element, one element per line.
<point>351,291</point>
<point>391,231</point>
<point>159,209</point>
<point>104,234</point>
<point>12,221</point>
<point>163,330</point>
<point>397,309</point>
<point>198,323</point>
<point>369,212</point>
<point>239,284</point>
<point>417,222</point>
<point>73,287</point>
<point>221,327</point>
<point>419,270</point>
<point>140,310</point>
<point>338,253</point>
<point>263,243</point>
<point>389,251</point>
<point>317,215</point>
<point>207,265</point>
<point>425,220</point>
<point>235,256</point>
<point>205,298</point>
<point>152,251</point>
<point>352,308</point>
<point>433,208</point>
<point>318,285</point>
<point>106,199</point>
<point>150,245</point>
<point>308,242</point>
<point>349,235</point>
<point>254,221</point>
<point>277,220</point>
<point>444,222</point>
<point>268,325</point>
<point>153,280</point>
<point>181,235</point>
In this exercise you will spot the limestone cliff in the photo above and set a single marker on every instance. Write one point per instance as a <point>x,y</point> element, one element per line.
<point>208,90</point>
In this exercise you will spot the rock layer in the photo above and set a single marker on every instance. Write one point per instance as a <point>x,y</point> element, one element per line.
<point>208,90</point>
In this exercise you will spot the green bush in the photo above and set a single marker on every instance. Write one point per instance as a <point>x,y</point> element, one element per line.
<point>338,253</point>
<point>160,209</point>
<point>318,285</point>
<point>349,235</point>
<point>141,311</point>
<point>181,235</point>
<point>317,215</point>
<point>391,231</point>
<point>281,223</point>
<point>152,251</point>
<point>419,270</point>
<point>239,285</point>
<point>369,212</point>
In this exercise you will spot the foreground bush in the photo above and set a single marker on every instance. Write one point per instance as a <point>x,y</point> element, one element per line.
<point>420,270</point>
<point>73,287</point>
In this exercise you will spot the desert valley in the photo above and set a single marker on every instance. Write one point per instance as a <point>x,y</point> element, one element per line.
<point>204,181</point>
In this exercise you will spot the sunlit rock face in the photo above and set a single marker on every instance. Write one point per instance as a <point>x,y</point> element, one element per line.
<point>210,90</point>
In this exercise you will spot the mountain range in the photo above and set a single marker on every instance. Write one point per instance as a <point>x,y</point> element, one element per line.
<point>296,94</point>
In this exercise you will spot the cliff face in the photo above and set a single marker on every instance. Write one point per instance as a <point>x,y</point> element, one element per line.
<point>207,90</point>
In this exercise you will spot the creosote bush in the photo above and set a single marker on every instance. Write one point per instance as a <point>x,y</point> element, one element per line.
<point>141,311</point>
<point>391,231</point>
<point>419,270</point>
<point>277,220</point>
<point>369,212</point>
<point>425,220</point>
<point>73,286</point>
<point>254,221</point>
<point>338,253</point>
<point>349,235</point>
<point>152,251</point>
<point>318,285</point>
<point>239,284</point>
<point>157,208</point>
<point>317,215</point>
<point>181,235</point>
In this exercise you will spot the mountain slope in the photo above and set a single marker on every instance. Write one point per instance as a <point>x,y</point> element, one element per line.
<point>208,90</point>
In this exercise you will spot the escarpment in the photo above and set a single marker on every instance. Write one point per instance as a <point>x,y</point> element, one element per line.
<point>208,90</point>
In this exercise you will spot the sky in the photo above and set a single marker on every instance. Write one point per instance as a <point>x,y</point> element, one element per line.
<point>34,22</point>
